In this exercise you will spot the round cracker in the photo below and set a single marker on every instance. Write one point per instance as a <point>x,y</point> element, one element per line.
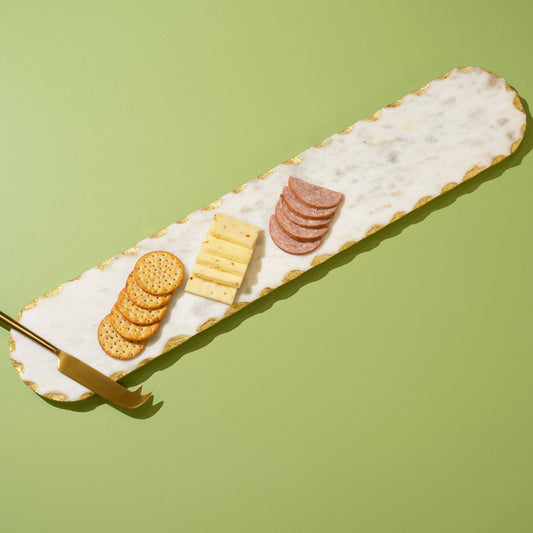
<point>115,345</point>
<point>137,315</point>
<point>129,331</point>
<point>158,272</point>
<point>142,298</point>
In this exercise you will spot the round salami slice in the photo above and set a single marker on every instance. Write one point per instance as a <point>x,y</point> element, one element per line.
<point>303,210</point>
<point>313,195</point>
<point>288,244</point>
<point>294,230</point>
<point>301,221</point>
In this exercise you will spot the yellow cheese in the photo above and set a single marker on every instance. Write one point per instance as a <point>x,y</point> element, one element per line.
<point>210,290</point>
<point>217,276</point>
<point>223,259</point>
<point>221,263</point>
<point>229,250</point>
<point>233,230</point>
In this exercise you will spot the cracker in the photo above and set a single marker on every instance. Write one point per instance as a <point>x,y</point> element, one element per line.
<point>129,331</point>
<point>158,272</point>
<point>137,315</point>
<point>142,298</point>
<point>115,345</point>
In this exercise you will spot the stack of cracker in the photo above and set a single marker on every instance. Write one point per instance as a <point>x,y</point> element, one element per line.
<point>141,305</point>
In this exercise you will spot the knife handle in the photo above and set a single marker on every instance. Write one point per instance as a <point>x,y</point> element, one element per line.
<point>25,331</point>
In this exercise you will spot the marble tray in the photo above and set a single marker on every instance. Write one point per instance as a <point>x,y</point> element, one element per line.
<point>386,165</point>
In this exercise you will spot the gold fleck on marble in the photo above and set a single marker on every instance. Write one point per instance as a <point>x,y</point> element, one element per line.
<point>515,145</point>
<point>396,103</point>
<point>373,229</point>
<point>33,386</point>
<point>263,176</point>
<point>54,292</point>
<point>86,395</point>
<point>448,187</point>
<point>213,205</point>
<point>422,201</point>
<point>76,278</point>
<point>347,130</point>
<point>19,367</point>
<point>27,307</point>
<point>133,250</point>
<point>207,324</point>
<point>174,342</point>
<point>11,344</point>
<point>293,274</point>
<point>143,362</point>
<point>117,375</point>
<point>233,308</point>
<point>31,305</point>
<point>464,69</point>
<point>320,145</point>
<point>159,233</point>
<point>397,216</point>
<point>56,396</point>
<point>105,264</point>
<point>183,220</point>
<point>374,116</point>
<point>265,291</point>
<point>422,90</point>
<point>296,160</point>
<point>240,189</point>
<point>346,245</point>
<point>518,104</point>
<point>318,259</point>
<point>474,171</point>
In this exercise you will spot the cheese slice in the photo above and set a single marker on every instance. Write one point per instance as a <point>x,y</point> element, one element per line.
<point>214,261</point>
<point>223,259</point>
<point>217,276</point>
<point>229,250</point>
<point>211,290</point>
<point>233,230</point>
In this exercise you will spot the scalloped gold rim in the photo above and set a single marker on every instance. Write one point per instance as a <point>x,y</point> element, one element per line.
<point>296,160</point>
<point>293,274</point>
<point>419,92</point>
<point>213,205</point>
<point>159,233</point>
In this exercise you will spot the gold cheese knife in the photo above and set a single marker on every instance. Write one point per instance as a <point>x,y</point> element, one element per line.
<point>83,373</point>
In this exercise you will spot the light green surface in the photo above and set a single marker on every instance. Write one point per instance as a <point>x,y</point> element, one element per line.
<point>387,391</point>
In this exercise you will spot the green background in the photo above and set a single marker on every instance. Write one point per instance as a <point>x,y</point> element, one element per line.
<point>388,390</point>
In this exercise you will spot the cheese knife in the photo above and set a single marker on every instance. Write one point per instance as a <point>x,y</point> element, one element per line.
<point>83,373</point>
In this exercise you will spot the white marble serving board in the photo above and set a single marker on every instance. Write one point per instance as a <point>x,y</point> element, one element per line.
<point>386,166</point>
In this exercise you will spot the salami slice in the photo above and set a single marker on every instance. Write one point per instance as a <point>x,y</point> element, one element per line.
<point>294,230</point>
<point>288,244</point>
<point>303,210</point>
<point>301,221</point>
<point>313,195</point>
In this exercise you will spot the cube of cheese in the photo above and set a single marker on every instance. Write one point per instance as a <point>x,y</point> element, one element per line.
<point>217,276</point>
<point>229,250</point>
<point>210,290</point>
<point>233,230</point>
<point>214,261</point>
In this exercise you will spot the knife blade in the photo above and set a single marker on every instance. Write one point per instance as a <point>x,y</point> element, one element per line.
<point>83,373</point>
